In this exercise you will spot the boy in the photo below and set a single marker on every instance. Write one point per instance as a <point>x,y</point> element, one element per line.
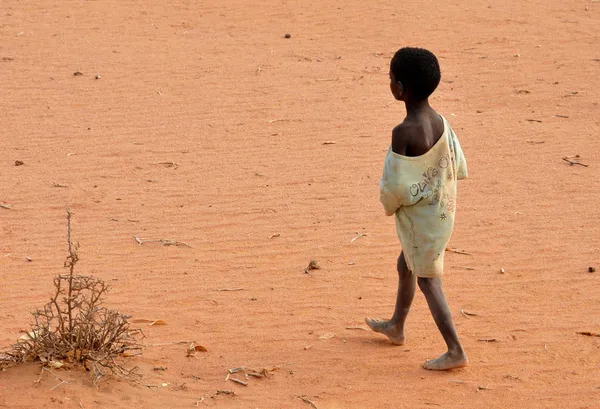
<point>418,186</point>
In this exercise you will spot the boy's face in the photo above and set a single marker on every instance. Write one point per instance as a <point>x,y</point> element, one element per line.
<point>395,87</point>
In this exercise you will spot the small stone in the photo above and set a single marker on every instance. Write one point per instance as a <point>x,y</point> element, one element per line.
<point>592,269</point>
<point>77,73</point>
<point>98,76</point>
<point>19,163</point>
<point>502,271</point>
<point>28,259</point>
<point>288,36</point>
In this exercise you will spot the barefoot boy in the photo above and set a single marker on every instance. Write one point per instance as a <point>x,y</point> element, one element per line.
<point>418,186</point>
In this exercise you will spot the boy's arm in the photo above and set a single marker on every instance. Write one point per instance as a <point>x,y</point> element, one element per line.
<point>390,201</point>
<point>461,163</point>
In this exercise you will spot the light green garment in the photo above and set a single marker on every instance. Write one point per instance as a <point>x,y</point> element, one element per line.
<point>421,192</point>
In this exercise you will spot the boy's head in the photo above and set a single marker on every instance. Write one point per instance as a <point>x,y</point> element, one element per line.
<point>414,73</point>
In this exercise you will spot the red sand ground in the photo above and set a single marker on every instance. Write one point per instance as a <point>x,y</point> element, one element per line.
<point>215,87</point>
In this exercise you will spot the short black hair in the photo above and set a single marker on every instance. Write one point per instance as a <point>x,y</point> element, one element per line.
<point>417,69</point>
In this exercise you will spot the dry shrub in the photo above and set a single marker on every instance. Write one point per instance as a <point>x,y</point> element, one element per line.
<point>75,329</point>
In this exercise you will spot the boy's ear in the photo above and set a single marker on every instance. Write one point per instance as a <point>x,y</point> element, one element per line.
<point>400,87</point>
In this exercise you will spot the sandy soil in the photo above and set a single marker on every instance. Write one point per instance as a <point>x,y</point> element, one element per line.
<point>216,88</point>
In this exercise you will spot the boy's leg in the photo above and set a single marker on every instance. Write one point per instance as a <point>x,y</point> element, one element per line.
<point>455,357</point>
<point>394,328</point>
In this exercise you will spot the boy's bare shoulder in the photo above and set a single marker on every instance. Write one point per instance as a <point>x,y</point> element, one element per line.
<point>402,135</point>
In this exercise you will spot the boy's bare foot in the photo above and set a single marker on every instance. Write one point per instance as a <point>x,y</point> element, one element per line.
<point>386,328</point>
<point>447,361</point>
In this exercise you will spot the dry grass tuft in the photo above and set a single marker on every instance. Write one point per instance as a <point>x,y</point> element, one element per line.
<point>75,329</point>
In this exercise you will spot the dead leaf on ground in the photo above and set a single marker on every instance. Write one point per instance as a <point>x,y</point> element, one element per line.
<point>158,322</point>
<point>313,265</point>
<point>328,335</point>
<point>141,321</point>
<point>193,348</point>
<point>54,364</point>
<point>267,371</point>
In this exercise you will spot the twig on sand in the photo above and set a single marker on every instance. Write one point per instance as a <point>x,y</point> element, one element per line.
<point>167,343</point>
<point>238,381</point>
<point>327,79</point>
<point>168,242</point>
<point>284,120</point>
<point>359,327</point>
<point>164,242</point>
<point>58,384</point>
<point>62,381</point>
<point>6,206</point>
<point>574,160</point>
<point>358,236</point>
<point>231,289</point>
<point>225,392</point>
<point>458,251</point>
<point>588,333</point>
<point>170,164</point>
<point>467,313</point>
<point>306,399</point>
